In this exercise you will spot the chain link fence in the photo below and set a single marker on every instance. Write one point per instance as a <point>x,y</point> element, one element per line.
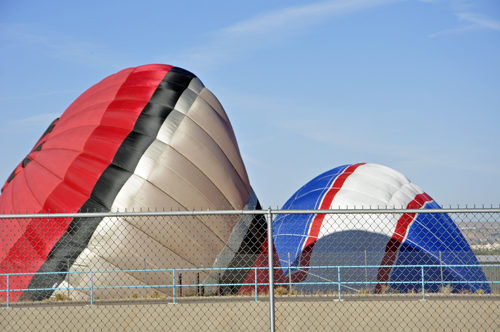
<point>370,269</point>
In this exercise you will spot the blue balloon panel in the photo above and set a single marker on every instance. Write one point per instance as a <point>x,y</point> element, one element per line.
<point>363,242</point>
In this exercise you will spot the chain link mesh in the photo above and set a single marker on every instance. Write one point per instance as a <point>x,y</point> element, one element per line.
<point>209,271</point>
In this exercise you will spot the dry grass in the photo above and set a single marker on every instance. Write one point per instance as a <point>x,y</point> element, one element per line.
<point>280,291</point>
<point>61,297</point>
<point>448,289</point>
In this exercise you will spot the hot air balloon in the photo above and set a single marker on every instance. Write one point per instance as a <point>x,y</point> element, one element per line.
<point>396,243</point>
<point>146,137</point>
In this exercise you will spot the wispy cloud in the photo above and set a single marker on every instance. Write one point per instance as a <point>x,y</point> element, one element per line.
<point>365,144</point>
<point>40,121</point>
<point>480,20</point>
<point>265,29</point>
<point>338,130</point>
<point>61,47</point>
<point>51,93</point>
<point>473,21</point>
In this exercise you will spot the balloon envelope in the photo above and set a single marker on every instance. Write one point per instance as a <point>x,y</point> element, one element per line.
<point>396,242</point>
<point>147,137</point>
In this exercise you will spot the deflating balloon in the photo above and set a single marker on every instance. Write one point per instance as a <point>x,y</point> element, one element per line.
<point>146,137</point>
<point>388,240</point>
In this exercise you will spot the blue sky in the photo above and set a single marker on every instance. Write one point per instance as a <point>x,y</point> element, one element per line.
<point>308,85</point>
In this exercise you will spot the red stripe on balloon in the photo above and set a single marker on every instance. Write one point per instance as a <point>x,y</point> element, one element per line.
<point>305,256</point>
<point>400,233</point>
<point>407,219</point>
<point>327,202</point>
<point>29,244</point>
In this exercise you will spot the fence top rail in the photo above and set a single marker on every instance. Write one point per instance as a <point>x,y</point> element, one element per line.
<point>116,214</point>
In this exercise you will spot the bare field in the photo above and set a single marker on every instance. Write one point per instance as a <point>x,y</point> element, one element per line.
<point>395,313</point>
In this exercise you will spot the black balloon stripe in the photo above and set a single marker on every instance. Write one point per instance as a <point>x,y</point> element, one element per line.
<point>109,184</point>
<point>80,231</point>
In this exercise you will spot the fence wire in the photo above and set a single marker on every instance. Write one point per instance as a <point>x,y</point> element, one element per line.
<point>350,270</point>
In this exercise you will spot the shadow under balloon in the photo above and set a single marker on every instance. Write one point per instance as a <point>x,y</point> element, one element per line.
<point>355,257</point>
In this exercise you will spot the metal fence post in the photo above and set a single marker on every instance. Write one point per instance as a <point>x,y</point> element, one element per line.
<point>270,252</point>
<point>173,285</point>
<point>441,268</point>
<point>218,275</point>
<point>69,275</point>
<point>256,288</point>
<point>91,288</point>
<point>145,279</point>
<point>8,294</point>
<point>338,271</point>
<point>289,275</point>
<point>423,284</point>
<point>366,270</point>
<point>180,284</point>
<point>198,288</point>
